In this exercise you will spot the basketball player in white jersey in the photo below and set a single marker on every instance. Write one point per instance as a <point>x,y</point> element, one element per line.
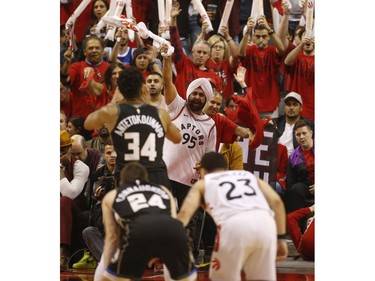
<point>250,220</point>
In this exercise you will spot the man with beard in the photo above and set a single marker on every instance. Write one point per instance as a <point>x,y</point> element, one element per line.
<point>301,67</point>
<point>198,132</point>
<point>262,62</point>
<point>197,129</point>
<point>100,141</point>
<point>155,86</point>
<point>285,124</point>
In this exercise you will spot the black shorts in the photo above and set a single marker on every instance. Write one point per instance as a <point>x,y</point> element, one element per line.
<point>154,236</point>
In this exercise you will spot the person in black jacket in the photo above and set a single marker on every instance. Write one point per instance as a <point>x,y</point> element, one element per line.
<point>286,122</point>
<point>300,176</point>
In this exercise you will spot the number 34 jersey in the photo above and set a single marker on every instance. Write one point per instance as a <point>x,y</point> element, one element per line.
<point>139,136</point>
<point>231,192</point>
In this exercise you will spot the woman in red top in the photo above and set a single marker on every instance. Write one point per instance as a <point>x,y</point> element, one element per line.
<point>223,58</point>
<point>109,83</point>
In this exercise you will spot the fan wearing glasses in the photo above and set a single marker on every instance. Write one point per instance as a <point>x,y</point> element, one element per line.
<point>223,58</point>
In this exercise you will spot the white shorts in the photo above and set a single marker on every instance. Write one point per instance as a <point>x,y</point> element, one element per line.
<point>248,242</point>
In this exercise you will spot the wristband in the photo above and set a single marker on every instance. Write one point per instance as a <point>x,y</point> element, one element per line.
<point>281,236</point>
<point>270,32</point>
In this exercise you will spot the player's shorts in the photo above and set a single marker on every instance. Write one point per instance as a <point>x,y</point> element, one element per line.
<point>150,237</point>
<point>248,242</point>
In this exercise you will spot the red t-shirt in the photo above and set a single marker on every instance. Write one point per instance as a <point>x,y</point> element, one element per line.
<point>84,102</point>
<point>262,69</point>
<point>302,74</point>
<point>187,72</point>
<point>223,70</point>
<point>310,164</point>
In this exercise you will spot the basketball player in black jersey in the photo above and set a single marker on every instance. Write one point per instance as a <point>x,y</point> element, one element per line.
<point>137,129</point>
<point>140,225</point>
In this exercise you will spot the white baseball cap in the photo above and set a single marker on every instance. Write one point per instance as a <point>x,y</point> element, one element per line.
<point>293,95</point>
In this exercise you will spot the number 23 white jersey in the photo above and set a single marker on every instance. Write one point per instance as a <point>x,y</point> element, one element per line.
<point>232,192</point>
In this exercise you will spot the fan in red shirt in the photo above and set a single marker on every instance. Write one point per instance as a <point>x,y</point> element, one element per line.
<point>85,76</point>
<point>190,69</point>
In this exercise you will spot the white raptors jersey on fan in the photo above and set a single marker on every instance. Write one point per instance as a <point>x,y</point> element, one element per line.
<point>198,137</point>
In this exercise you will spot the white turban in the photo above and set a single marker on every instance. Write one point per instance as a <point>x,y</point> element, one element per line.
<point>202,83</point>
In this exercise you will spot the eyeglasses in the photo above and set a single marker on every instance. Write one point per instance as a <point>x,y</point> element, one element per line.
<point>218,47</point>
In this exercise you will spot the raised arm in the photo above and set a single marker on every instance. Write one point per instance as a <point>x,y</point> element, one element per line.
<point>170,91</point>
<point>175,37</point>
<point>293,54</point>
<point>116,47</point>
<point>274,37</point>
<point>64,69</point>
<point>282,32</point>
<point>233,48</point>
<point>243,44</point>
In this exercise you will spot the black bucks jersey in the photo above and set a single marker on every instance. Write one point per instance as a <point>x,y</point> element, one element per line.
<point>140,199</point>
<point>139,136</point>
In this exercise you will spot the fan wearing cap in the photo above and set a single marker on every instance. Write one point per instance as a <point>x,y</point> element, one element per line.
<point>73,176</point>
<point>286,122</point>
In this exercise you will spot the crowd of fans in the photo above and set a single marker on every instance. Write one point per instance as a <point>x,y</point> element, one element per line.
<point>261,74</point>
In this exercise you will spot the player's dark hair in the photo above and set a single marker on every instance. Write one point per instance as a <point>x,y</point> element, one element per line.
<point>213,161</point>
<point>130,82</point>
<point>133,171</point>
